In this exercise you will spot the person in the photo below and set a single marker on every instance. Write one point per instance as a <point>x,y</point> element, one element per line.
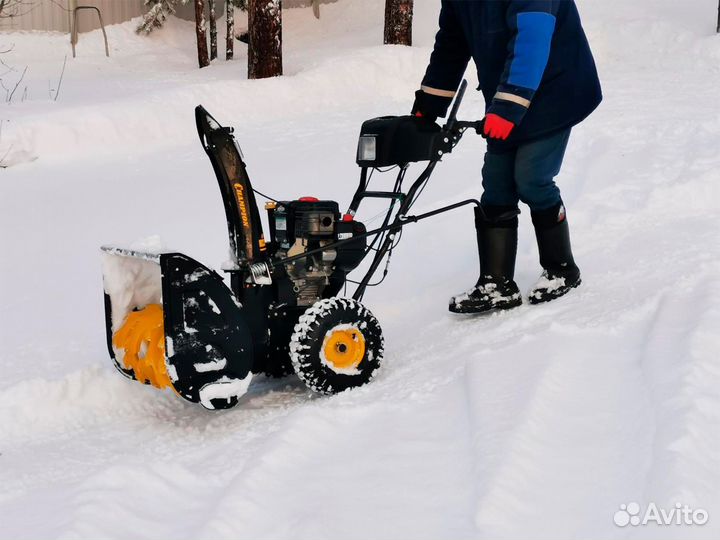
<point>538,77</point>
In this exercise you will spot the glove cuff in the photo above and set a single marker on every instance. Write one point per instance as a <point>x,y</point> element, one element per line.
<point>431,106</point>
<point>508,110</point>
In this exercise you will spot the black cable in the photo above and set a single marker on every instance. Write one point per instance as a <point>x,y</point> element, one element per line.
<point>386,170</point>
<point>397,240</point>
<point>417,195</point>
<point>385,223</point>
<point>369,178</point>
<point>385,272</point>
<point>387,263</point>
<point>381,236</point>
<point>265,196</point>
<point>396,189</point>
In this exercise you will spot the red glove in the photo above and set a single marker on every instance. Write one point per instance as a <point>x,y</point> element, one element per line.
<point>496,127</point>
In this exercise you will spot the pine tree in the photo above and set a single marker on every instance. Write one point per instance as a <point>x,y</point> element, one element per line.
<point>213,30</point>
<point>158,13</point>
<point>230,36</point>
<point>265,38</point>
<point>201,33</point>
<point>398,22</point>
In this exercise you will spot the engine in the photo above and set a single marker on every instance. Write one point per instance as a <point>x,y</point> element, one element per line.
<point>297,227</point>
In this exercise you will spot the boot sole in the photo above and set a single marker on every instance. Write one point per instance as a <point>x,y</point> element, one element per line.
<point>535,301</point>
<point>469,310</point>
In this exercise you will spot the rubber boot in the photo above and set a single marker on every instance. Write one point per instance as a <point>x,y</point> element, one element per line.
<point>560,273</point>
<point>497,236</point>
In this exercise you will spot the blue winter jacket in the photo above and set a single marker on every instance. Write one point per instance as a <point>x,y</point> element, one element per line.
<point>533,62</point>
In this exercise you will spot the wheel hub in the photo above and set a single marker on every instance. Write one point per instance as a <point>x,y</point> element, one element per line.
<point>344,347</point>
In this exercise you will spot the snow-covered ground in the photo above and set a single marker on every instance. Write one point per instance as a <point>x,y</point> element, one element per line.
<point>537,423</point>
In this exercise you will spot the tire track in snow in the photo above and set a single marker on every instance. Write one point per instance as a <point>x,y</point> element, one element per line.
<point>557,398</point>
<point>409,470</point>
<point>680,365</point>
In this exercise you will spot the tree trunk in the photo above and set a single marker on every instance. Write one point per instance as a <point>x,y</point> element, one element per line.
<point>201,33</point>
<point>213,30</point>
<point>230,38</point>
<point>398,22</point>
<point>265,38</point>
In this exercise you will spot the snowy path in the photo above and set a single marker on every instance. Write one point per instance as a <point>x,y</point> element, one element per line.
<point>535,423</point>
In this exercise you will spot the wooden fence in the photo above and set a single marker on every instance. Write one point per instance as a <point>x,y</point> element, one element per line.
<point>54,15</point>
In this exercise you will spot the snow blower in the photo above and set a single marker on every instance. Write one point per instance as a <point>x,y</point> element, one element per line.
<point>173,323</point>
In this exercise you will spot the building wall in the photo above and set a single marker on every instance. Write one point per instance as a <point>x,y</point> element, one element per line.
<point>54,15</point>
<point>188,11</point>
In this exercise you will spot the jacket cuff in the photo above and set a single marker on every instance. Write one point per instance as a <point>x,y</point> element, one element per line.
<point>433,104</point>
<point>511,102</point>
<point>509,110</point>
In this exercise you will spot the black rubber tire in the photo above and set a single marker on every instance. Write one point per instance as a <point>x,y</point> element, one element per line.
<point>309,335</point>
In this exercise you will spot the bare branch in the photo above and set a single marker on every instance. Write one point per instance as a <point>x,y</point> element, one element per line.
<point>18,84</point>
<point>9,67</point>
<point>7,90</point>
<point>62,74</point>
<point>58,4</point>
<point>15,8</point>
<point>2,159</point>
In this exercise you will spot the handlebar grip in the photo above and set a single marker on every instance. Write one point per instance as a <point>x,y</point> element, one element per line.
<point>456,105</point>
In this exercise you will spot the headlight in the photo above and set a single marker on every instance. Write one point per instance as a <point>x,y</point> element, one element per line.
<point>367,149</point>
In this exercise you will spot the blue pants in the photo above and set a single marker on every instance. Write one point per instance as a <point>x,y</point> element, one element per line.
<point>525,173</point>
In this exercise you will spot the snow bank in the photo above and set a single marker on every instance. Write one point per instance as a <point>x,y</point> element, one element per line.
<point>122,115</point>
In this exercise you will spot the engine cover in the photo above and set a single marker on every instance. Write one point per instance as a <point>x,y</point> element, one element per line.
<point>297,227</point>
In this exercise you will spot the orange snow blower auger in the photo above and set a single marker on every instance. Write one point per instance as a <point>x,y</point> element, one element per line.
<point>141,341</point>
<point>172,322</point>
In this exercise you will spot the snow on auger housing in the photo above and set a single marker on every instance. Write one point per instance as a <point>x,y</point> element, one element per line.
<point>172,322</point>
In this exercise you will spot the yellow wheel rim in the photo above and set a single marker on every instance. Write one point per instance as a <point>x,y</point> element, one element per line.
<point>344,347</point>
<point>140,343</point>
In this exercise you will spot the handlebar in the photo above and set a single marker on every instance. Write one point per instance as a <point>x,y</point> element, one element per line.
<point>452,119</point>
<point>457,127</point>
<point>477,125</point>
